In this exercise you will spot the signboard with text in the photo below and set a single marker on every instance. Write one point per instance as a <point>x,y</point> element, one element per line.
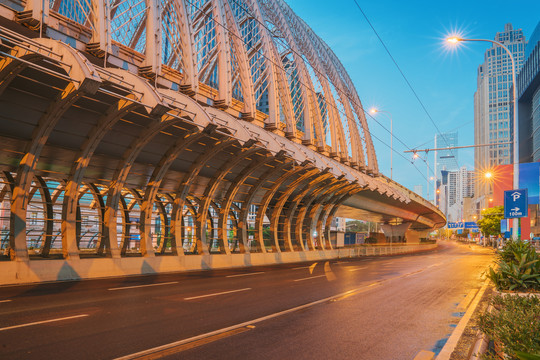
<point>463,225</point>
<point>516,204</point>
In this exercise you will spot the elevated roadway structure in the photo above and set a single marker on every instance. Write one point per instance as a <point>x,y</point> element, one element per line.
<point>163,133</point>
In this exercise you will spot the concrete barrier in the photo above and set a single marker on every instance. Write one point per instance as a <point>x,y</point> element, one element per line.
<point>37,271</point>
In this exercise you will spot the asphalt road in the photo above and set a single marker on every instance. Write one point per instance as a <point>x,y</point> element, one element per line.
<point>367,308</point>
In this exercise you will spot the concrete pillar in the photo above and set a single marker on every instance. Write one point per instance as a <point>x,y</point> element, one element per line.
<point>394,233</point>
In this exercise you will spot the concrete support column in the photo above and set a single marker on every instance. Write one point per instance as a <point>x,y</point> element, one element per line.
<point>395,232</point>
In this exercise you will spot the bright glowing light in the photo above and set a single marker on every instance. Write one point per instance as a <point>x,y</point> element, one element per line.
<point>488,175</point>
<point>474,217</point>
<point>438,191</point>
<point>453,39</point>
<point>373,111</point>
<point>416,156</point>
<point>490,200</point>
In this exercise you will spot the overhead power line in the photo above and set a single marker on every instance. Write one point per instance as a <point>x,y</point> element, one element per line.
<point>404,77</point>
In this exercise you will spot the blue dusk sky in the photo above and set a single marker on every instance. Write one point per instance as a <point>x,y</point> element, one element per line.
<point>445,80</point>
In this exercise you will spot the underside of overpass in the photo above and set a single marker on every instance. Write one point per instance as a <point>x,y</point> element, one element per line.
<point>228,128</point>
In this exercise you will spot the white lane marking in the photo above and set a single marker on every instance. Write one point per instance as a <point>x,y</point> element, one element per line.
<point>311,277</point>
<point>43,322</point>
<point>4,301</point>
<point>141,286</point>
<point>360,268</point>
<point>244,324</point>
<point>301,267</point>
<point>216,294</point>
<point>452,341</point>
<point>248,274</point>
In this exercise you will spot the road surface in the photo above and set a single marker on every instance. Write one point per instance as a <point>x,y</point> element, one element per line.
<point>367,308</point>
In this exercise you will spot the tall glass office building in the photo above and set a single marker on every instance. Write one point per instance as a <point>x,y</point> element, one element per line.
<point>528,93</point>
<point>446,159</point>
<point>493,121</point>
<point>492,100</point>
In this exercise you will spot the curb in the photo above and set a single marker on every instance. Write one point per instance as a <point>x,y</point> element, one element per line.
<point>452,342</point>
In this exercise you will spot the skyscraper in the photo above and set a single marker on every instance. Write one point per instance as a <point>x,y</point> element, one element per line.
<point>446,159</point>
<point>493,122</point>
<point>460,185</point>
<point>528,93</point>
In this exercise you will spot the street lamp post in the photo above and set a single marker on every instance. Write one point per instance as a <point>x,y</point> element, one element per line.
<point>374,111</point>
<point>455,40</point>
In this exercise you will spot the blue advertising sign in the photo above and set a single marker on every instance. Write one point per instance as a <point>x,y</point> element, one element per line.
<point>515,204</point>
<point>470,225</point>
<point>529,173</point>
<point>504,226</point>
<point>455,225</point>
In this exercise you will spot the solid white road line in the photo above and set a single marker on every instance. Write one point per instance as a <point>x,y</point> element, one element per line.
<point>248,274</point>
<point>451,343</point>
<point>4,301</point>
<point>42,322</point>
<point>311,277</point>
<point>141,286</point>
<point>216,294</point>
<point>301,267</point>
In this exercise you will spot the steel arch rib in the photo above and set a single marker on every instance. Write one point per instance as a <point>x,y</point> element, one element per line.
<point>69,209</point>
<point>159,172</point>
<point>269,195</point>
<point>210,191</point>
<point>313,208</point>
<point>336,130</point>
<point>293,206</point>
<point>229,199</point>
<point>248,202</point>
<point>185,185</point>
<point>120,176</point>
<point>311,114</point>
<point>278,205</point>
<point>242,62</point>
<point>279,84</point>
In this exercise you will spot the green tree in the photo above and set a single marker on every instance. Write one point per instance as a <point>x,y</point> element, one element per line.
<point>490,223</point>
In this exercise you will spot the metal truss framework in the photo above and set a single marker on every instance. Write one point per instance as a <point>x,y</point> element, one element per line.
<point>174,127</point>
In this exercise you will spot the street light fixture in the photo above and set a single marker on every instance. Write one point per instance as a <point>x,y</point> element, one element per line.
<point>373,111</point>
<point>455,40</point>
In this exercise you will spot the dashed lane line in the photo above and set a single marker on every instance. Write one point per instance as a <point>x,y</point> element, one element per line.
<point>311,277</point>
<point>247,274</point>
<point>247,324</point>
<point>216,294</point>
<point>141,286</point>
<point>358,268</point>
<point>43,322</point>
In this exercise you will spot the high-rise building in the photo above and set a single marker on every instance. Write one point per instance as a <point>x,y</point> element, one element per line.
<point>446,159</point>
<point>528,94</point>
<point>456,186</point>
<point>493,122</point>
